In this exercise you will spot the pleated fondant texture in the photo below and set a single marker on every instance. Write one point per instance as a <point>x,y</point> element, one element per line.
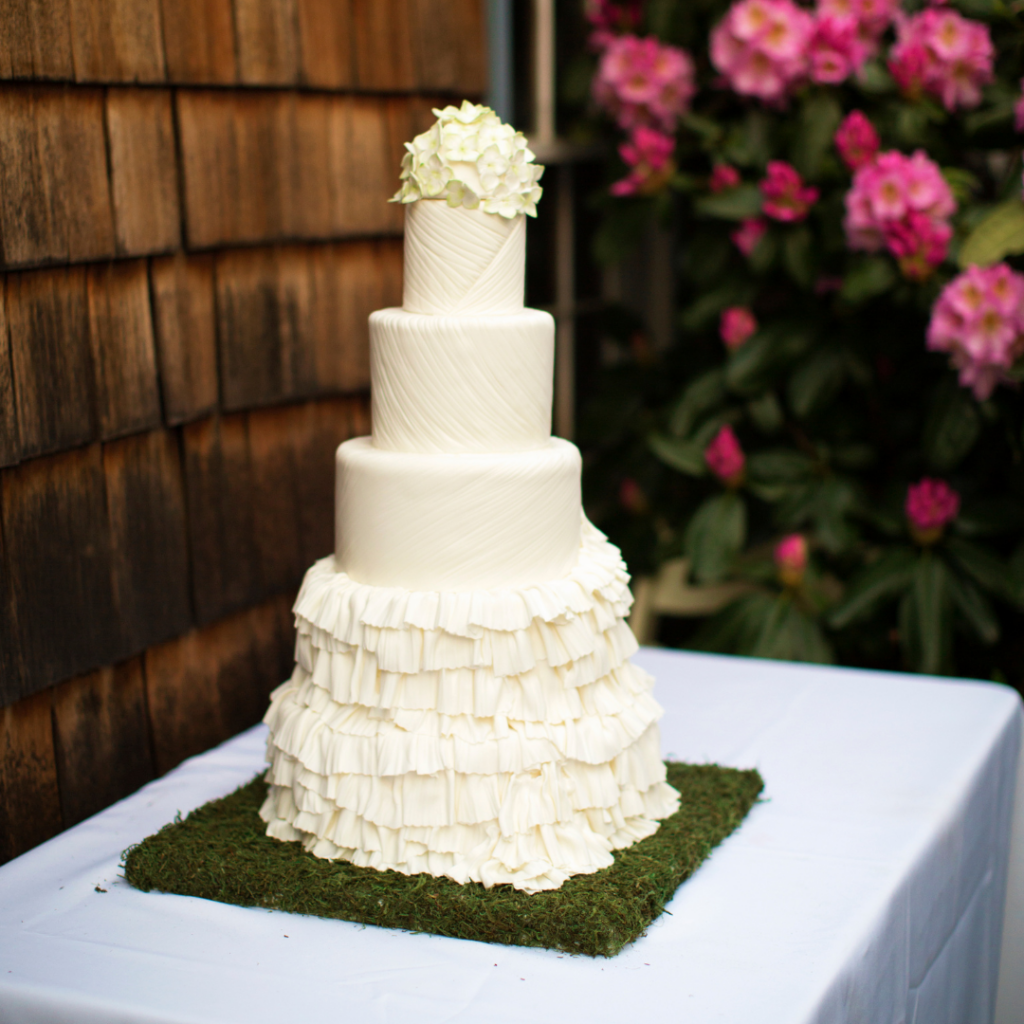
<point>492,736</point>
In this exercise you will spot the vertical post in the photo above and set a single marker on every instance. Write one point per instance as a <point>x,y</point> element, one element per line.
<point>543,71</point>
<point>499,59</point>
<point>565,305</point>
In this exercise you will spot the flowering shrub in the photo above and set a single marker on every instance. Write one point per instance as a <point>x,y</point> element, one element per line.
<point>838,421</point>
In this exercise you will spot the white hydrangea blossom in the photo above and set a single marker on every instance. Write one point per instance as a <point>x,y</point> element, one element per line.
<point>471,159</point>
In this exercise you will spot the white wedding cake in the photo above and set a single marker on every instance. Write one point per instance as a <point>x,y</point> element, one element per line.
<point>463,702</point>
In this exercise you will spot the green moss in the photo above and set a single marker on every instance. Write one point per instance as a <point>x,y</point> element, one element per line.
<point>220,852</point>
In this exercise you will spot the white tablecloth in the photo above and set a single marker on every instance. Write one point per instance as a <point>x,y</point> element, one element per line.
<point>868,887</point>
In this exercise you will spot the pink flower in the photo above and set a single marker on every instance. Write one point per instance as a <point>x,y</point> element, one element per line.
<point>941,52</point>
<point>919,244</point>
<point>786,197</point>
<point>648,152</point>
<point>608,20</point>
<point>1018,110</point>
<point>856,140</point>
<point>737,324</point>
<point>835,49</point>
<point>872,18</point>
<point>761,47</point>
<point>930,506</point>
<point>723,177</point>
<point>644,82</point>
<point>791,559</point>
<point>725,457</point>
<point>748,234</point>
<point>979,320</point>
<point>901,203</point>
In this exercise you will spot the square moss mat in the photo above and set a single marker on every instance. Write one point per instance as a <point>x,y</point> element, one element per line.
<point>220,852</point>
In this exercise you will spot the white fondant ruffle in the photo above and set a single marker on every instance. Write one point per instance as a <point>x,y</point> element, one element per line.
<point>494,736</point>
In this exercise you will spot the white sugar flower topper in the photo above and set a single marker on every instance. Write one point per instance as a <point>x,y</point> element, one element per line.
<point>471,159</point>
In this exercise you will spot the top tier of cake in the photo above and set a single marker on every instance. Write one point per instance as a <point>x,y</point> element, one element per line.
<point>460,261</point>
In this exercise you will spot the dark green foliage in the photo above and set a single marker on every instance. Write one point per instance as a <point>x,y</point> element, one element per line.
<point>220,852</point>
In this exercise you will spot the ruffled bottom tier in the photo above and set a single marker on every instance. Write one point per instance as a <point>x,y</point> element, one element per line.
<point>491,736</point>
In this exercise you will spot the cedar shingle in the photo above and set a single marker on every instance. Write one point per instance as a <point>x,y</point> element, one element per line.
<point>314,179</point>
<point>370,171</point>
<point>35,39</point>
<point>268,49</point>
<point>101,739</point>
<point>117,40</point>
<point>143,170</point>
<point>218,485</point>
<point>263,310</point>
<point>199,41</point>
<point>123,351</point>
<point>57,541</point>
<point>149,550</point>
<point>326,43</point>
<point>54,194</point>
<point>183,314</point>
<point>210,683</point>
<point>29,800</point>
<point>276,513</point>
<point>235,159</point>
<point>48,317</point>
<point>383,45</point>
<point>10,448</point>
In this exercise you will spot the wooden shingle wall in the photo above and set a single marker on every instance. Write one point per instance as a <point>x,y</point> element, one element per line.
<point>193,230</point>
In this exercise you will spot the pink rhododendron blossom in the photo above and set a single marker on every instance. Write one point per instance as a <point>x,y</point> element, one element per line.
<point>644,82</point>
<point>901,203</point>
<point>748,234</point>
<point>835,49</point>
<point>737,324</point>
<point>856,140</point>
<point>723,177</point>
<point>648,152</point>
<point>930,506</point>
<point>608,20</point>
<point>761,47</point>
<point>979,320</point>
<point>791,559</point>
<point>725,457</point>
<point>786,197</point>
<point>941,52</point>
<point>871,18</point>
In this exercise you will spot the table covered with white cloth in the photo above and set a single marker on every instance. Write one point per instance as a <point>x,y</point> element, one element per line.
<point>868,886</point>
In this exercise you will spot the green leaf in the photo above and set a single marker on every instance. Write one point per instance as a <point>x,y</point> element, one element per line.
<point>763,256</point>
<point>816,381</point>
<point>985,568</point>
<point>962,183</point>
<point>715,535</point>
<point>925,614</point>
<point>874,79</point>
<point>788,634</point>
<point>685,456</point>
<point>952,427</point>
<point>738,203</point>
<point>1000,234</point>
<point>989,517</point>
<point>974,607</point>
<point>766,413</point>
<point>798,255</point>
<point>700,395</point>
<point>735,629</point>
<point>854,456</point>
<point>868,278</point>
<point>779,465</point>
<point>749,142</point>
<point>752,367</point>
<point>704,127</point>
<point>819,117</point>
<point>836,499</point>
<point>874,586</point>
<point>702,313</point>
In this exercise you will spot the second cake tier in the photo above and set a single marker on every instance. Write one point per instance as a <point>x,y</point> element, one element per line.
<point>456,522</point>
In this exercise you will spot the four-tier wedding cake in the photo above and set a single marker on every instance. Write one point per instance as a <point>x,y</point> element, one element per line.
<point>463,702</point>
